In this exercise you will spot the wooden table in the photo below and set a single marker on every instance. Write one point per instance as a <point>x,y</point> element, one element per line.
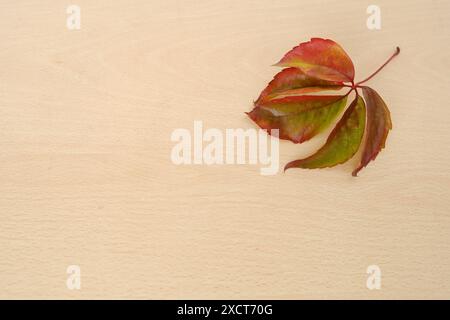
<point>86,177</point>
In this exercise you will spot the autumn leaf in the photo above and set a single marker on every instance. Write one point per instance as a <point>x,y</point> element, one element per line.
<point>293,81</point>
<point>298,118</point>
<point>294,103</point>
<point>343,141</point>
<point>378,125</point>
<point>322,59</point>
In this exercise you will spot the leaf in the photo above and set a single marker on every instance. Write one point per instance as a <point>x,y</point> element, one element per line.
<point>294,104</point>
<point>377,128</point>
<point>293,81</point>
<point>298,118</point>
<point>342,143</point>
<point>322,59</point>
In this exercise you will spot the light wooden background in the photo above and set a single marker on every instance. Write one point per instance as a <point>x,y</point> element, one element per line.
<point>86,176</point>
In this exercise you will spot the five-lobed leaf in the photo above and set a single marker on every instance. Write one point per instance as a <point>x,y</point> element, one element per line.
<point>342,143</point>
<point>291,103</point>
<point>322,59</point>
<point>378,125</point>
<point>298,118</point>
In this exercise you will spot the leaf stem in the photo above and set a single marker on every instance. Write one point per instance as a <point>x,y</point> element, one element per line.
<point>397,51</point>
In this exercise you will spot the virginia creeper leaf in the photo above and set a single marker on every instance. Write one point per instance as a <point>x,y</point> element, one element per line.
<point>298,118</point>
<point>292,104</point>
<point>293,81</point>
<point>377,128</point>
<point>320,58</point>
<point>342,143</point>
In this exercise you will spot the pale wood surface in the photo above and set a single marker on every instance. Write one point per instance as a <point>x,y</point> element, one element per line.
<point>86,176</point>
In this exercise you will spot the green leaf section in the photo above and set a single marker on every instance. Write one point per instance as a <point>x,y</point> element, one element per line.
<point>343,141</point>
<point>299,118</point>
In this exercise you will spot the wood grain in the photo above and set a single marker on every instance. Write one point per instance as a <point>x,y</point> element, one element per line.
<point>86,176</point>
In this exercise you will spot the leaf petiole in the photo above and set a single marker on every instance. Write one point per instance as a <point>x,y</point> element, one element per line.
<point>397,51</point>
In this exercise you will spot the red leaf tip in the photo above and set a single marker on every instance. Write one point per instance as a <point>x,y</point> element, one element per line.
<point>292,164</point>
